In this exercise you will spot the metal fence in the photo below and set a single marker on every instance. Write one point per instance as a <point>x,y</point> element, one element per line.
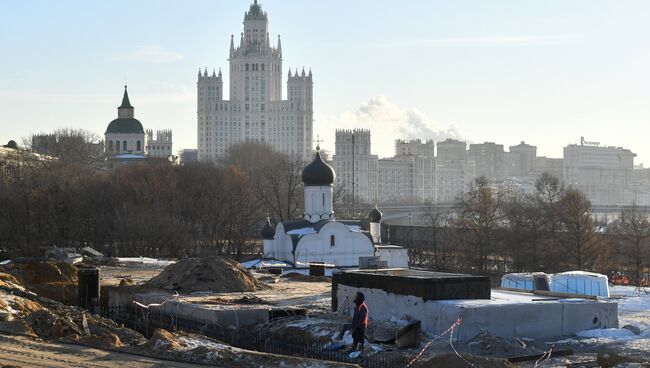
<point>147,321</point>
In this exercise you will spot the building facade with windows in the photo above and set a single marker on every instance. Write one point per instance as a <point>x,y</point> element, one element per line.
<point>355,165</point>
<point>604,174</point>
<point>255,110</point>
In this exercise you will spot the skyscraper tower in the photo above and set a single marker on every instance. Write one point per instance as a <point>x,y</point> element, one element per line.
<point>255,111</point>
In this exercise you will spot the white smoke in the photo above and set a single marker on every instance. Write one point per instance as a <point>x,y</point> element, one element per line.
<point>387,122</point>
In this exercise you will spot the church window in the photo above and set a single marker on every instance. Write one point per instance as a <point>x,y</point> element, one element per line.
<point>117,146</point>
<point>323,199</point>
<point>110,146</point>
<point>332,240</point>
<point>138,146</point>
<point>124,145</point>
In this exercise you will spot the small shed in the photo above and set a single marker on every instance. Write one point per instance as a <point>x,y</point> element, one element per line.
<point>580,282</point>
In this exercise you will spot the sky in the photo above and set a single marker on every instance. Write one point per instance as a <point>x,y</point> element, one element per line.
<point>545,72</point>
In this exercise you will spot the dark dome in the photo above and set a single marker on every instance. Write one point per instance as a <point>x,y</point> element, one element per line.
<point>318,172</point>
<point>374,215</point>
<point>125,125</point>
<point>268,232</point>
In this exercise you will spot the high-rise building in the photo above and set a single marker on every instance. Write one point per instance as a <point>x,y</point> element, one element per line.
<point>604,174</point>
<point>410,175</point>
<point>521,159</point>
<point>355,165</point>
<point>159,145</point>
<point>255,111</point>
<point>453,171</point>
<point>489,160</point>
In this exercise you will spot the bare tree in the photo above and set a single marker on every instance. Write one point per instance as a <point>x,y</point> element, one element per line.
<point>579,234</point>
<point>633,228</point>
<point>480,213</point>
<point>67,145</point>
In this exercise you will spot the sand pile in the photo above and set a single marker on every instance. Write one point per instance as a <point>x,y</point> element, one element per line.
<point>53,280</point>
<point>216,274</point>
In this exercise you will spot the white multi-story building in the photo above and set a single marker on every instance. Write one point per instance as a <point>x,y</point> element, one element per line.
<point>355,165</point>
<point>489,159</point>
<point>453,171</point>
<point>256,111</point>
<point>410,175</point>
<point>521,160</point>
<point>159,145</point>
<point>604,174</point>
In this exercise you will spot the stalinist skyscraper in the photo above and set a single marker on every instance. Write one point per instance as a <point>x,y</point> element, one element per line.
<point>256,111</point>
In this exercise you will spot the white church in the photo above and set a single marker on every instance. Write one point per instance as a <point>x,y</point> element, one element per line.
<point>319,237</point>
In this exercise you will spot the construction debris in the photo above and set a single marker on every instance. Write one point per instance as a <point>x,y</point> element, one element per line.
<point>39,316</point>
<point>50,279</point>
<point>216,274</point>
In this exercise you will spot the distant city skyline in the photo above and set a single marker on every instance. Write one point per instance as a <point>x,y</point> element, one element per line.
<point>546,73</point>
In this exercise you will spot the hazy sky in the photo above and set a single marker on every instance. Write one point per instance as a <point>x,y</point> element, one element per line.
<point>547,72</point>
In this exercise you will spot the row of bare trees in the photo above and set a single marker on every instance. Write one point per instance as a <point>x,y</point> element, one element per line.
<point>149,209</point>
<point>554,229</point>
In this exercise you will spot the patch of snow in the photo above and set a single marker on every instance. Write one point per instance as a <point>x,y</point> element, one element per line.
<point>146,261</point>
<point>607,333</point>
<point>303,231</point>
<point>263,263</point>
<point>355,228</point>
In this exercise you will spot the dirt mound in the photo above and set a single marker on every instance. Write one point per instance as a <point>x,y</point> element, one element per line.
<point>451,360</point>
<point>162,339</point>
<point>42,272</point>
<point>219,275</point>
<point>8,280</point>
<point>53,280</point>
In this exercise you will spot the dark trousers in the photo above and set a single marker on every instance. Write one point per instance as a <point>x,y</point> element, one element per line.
<point>358,335</point>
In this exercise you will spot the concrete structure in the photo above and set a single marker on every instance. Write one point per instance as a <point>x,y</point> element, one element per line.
<point>256,111</point>
<point>355,165</point>
<point>505,314</point>
<point>604,174</point>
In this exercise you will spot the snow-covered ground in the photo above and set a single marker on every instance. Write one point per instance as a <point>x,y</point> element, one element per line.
<point>633,310</point>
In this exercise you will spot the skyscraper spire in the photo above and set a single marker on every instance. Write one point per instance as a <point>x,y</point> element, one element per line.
<point>279,45</point>
<point>232,43</point>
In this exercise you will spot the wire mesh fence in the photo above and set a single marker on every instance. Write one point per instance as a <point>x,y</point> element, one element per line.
<point>147,321</point>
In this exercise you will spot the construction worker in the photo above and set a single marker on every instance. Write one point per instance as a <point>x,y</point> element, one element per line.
<point>359,321</point>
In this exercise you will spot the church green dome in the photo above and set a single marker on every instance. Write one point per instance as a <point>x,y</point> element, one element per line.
<point>125,125</point>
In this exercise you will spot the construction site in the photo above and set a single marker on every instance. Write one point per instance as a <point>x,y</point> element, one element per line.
<point>214,311</point>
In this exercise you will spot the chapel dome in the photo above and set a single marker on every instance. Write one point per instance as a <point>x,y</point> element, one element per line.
<point>125,125</point>
<point>318,173</point>
<point>374,215</point>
